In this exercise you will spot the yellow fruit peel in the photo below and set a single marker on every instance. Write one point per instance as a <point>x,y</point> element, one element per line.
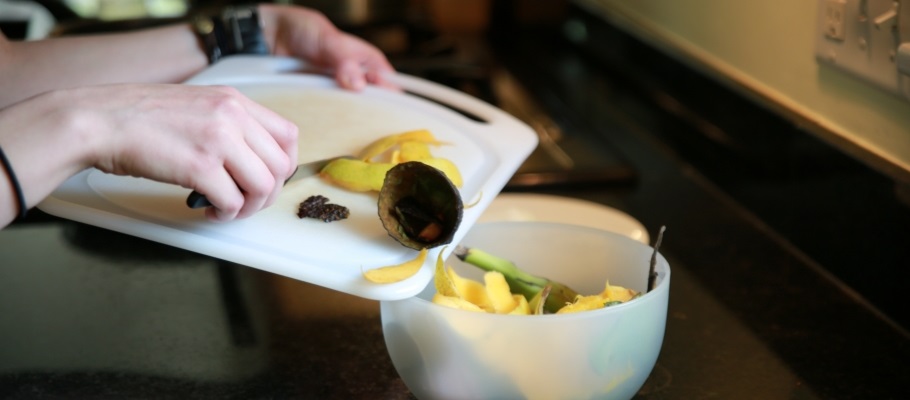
<point>367,172</point>
<point>386,143</point>
<point>447,167</point>
<point>413,151</point>
<point>583,303</point>
<point>617,293</point>
<point>493,295</point>
<point>443,281</point>
<point>356,175</point>
<point>611,294</point>
<point>397,273</point>
<point>470,290</point>
<point>521,305</point>
<point>455,302</point>
<point>498,291</point>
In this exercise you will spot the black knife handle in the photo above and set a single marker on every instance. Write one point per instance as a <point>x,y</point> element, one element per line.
<point>197,200</point>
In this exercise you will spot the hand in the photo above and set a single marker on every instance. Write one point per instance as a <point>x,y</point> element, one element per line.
<point>309,35</point>
<point>211,139</point>
<point>214,140</point>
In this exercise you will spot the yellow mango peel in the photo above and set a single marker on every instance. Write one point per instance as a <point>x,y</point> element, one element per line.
<point>367,172</point>
<point>456,302</point>
<point>495,295</point>
<point>386,143</point>
<point>499,293</point>
<point>444,284</point>
<point>447,167</point>
<point>470,290</point>
<point>397,273</point>
<point>412,151</point>
<point>521,306</point>
<point>610,295</point>
<point>356,175</point>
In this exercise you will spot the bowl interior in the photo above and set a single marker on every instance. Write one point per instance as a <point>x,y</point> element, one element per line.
<point>447,353</point>
<point>581,257</point>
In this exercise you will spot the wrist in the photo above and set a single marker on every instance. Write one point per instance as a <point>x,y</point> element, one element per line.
<point>233,30</point>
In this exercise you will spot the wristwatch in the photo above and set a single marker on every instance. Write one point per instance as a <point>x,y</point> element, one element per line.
<point>235,30</point>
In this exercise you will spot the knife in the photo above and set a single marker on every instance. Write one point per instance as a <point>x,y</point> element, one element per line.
<point>198,200</point>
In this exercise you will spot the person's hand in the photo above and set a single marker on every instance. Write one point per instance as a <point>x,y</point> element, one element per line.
<point>208,138</point>
<point>309,35</point>
<point>211,139</point>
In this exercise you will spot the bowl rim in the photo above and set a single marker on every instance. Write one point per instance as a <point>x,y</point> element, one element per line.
<point>662,285</point>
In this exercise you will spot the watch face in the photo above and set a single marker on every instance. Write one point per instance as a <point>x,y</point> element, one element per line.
<point>244,31</point>
<point>242,13</point>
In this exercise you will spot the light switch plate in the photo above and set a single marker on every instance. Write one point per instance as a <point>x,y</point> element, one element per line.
<point>832,22</point>
<point>861,37</point>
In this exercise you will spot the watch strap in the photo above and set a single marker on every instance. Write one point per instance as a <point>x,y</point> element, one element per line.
<point>235,30</point>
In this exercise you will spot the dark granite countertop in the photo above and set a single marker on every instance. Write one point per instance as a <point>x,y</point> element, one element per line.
<point>755,312</point>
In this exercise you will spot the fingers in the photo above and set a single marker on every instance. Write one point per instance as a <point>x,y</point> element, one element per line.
<point>221,190</point>
<point>276,145</point>
<point>355,61</point>
<point>309,35</point>
<point>257,183</point>
<point>349,75</point>
<point>259,151</point>
<point>273,138</point>
<point>354,75</point>
<point>382,79</point>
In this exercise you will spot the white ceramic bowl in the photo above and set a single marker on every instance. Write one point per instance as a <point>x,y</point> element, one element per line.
<point>445,353</point>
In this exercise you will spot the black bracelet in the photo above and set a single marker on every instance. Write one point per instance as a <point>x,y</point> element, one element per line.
<point>20,197</point>
<point>235,30</point>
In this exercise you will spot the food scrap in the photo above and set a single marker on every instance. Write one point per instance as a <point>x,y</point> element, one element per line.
<point>418,206</point>
<point>506,289</point>
<point>367,172</point>
<point>396,273</point>
<point>318,207</point>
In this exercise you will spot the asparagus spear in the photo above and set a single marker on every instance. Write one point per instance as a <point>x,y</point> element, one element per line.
<point>519,281</point>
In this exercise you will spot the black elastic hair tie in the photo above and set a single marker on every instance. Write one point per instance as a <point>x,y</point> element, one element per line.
<point>20,197</point>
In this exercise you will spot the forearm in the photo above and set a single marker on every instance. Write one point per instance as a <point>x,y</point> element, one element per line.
<point>45,145</point>
<point>167,54</point>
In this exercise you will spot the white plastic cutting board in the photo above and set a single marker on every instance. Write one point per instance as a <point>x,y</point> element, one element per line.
<point>332,122</point>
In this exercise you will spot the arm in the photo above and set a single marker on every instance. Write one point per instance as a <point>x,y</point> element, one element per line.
<point>211,139</point>
<point>167,54</point>
<point>173,53</point>
<point>64,108</point>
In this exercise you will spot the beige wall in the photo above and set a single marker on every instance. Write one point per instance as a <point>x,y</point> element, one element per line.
<point>767,48</point>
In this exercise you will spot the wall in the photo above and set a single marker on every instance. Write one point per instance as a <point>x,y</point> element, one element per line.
<point>767,49</point>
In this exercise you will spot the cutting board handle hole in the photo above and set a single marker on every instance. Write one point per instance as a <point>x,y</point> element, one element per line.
<point>463,112</point>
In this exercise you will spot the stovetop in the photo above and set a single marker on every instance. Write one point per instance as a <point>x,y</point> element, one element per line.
<point>567,155</point>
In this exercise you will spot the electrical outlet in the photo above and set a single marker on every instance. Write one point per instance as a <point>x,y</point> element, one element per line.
<point>834,23</point>
<point>869,39</point>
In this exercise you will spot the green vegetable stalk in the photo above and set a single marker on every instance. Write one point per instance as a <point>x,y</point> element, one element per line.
<point>519,281</point>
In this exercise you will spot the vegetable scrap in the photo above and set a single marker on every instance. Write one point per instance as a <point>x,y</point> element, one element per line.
<point>367,172</point>
<point>506,289</point>
<point>318,207</point>
<point>418,202</point>
<point>396,273</point>
<point>419,206</point>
